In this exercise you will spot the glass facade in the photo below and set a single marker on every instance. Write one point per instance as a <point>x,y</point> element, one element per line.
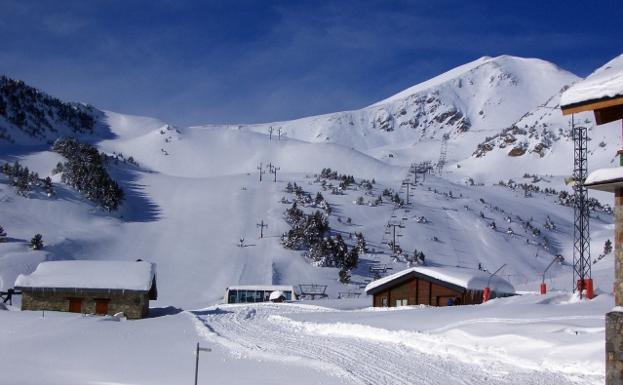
<point>250,296</point>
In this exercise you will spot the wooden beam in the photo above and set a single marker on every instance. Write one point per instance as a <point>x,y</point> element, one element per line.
<point>591,105</point>
<point>608,114</point>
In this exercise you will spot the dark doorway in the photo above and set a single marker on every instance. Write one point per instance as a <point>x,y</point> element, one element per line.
<point>101,306</point>
<point>75,305</point>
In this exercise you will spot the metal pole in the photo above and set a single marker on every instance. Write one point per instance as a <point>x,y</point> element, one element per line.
<point>556,258</point>
<point>199,349</point>
<point>394,245</point>
<point>197,363</point>
<point>494,273</point>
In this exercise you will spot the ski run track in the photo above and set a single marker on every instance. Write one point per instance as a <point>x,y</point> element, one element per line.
<point>361,354</point>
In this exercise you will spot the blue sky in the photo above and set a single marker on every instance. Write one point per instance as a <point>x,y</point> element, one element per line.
<point>243,61</point>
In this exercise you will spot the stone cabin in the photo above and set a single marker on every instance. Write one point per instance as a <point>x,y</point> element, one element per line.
<point>90,287</point>
<point>436,286</point>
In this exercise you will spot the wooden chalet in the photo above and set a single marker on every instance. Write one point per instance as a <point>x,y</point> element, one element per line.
<point>436,286</point>
<point>90,287</point>
<point>602,93</point>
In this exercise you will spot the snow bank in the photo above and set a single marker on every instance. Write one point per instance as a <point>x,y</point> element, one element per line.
<point>90,275</point>
<point>466,278</point>
<point>605,82</point>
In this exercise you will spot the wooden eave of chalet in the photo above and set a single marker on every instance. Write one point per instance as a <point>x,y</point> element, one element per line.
<point>609,185</point>
<point>606,109</point>
<point>414,274</point>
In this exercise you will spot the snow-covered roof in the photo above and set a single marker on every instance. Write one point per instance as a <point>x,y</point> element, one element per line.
<point>470,279</point>
<point>275,295</point>
<point>606,82</point>
<point>121,275</point>
<point>262,287</point>
<point>605,179</point>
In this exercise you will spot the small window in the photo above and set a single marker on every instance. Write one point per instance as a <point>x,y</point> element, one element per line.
<point>401,302</point>
<point>232,296</point>
<point>384,301</point>
<point>259,296</point>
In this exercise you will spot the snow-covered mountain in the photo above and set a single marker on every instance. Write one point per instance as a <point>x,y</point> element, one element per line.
<point>192,193</point>
<point>29,116</point>
<point>467,103</point>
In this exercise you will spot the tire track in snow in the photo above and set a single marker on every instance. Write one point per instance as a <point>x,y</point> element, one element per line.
<point>263,330</point>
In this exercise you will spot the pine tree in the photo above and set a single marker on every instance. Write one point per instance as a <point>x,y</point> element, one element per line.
<point>352,259</point>
<point>2,234</point>
<point>319,198</point>
<point>37,242</point>
<point>608,247</point>
<point>361,243</point>
<point>344,276</point>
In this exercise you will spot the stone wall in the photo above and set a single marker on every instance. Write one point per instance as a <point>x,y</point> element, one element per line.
<point>614,320</point>
<point>133,304</point>
<point>618,247</point>
<point>614,348</point>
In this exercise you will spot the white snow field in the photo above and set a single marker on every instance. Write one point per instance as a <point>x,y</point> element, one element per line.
<point>530,339</point>
<point>195,194</point>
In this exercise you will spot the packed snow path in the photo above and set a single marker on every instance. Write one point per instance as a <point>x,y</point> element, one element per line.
<point>263,331</point>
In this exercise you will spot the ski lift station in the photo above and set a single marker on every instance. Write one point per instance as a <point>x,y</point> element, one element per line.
<point>437,286</point>
<point>259,293</point>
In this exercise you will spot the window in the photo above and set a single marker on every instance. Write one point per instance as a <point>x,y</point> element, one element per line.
<point>232,296</point>
<point>384,301</point>
<point>401,302</point>
<point>242,296</point>
<point>259,296</point>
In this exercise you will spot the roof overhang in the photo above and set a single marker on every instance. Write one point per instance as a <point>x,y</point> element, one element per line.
<point>606,185</point>
<point>606,109</point>
<point>407,277</point>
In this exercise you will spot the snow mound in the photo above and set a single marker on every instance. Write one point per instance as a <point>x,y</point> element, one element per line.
<point>90,275</point>
<point>275,295</point>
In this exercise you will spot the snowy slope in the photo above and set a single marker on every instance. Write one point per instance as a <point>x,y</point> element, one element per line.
<point>466,103</point>
<point>195,191</point>
<point>533,339</point>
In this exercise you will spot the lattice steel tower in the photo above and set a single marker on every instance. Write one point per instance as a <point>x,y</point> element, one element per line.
<point>442,154</point>
<point>581,238</point>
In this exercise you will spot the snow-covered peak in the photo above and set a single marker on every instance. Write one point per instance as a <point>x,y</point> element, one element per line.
<point>506,65</point>
<point>436,81</point>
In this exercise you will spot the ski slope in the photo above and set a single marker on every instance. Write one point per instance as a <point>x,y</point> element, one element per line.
<point>195,193</point>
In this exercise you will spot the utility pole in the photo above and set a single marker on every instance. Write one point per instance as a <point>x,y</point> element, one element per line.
<point>408,184</point>
<point>270,132</point>
<point>279,132</point>
<point>275,168</point>
<point>199,349</point>
<point>261,171</point>
<point>261,226</point>
<point>581,236</point>
<point>394,225</point>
